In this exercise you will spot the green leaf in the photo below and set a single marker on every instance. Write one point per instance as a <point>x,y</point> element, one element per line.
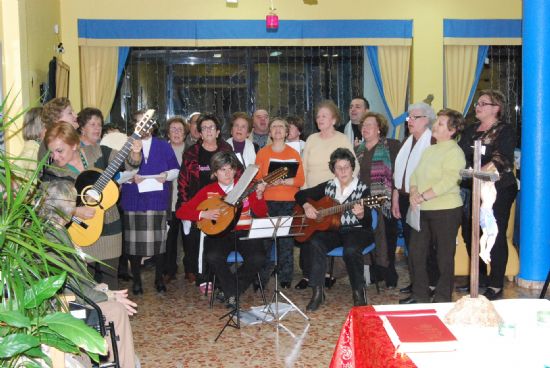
<point>55,340</point>
<point>42,290</point>
<point>38,353</point>
<point>94,357</point>
<point>15,319</point>
<point>16,344</point>
<point>77,332</point>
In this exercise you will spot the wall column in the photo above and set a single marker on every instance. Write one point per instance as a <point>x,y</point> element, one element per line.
<point>535,150</point>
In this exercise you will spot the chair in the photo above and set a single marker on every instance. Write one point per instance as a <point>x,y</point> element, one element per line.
<point>339,252</point>
<point>232,257</point>
<point>95,319</point>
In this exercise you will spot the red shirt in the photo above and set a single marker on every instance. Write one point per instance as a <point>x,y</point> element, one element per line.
<point>188,210</point>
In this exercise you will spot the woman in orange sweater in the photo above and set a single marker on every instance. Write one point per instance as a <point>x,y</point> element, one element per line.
<point>280,197</point>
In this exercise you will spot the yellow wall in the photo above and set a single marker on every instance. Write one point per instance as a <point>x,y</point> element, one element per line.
<point>428,15</point>
<point>37,18</point>
<point>27,46</point>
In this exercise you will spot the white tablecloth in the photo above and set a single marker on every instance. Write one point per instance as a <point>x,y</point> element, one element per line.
<point>484,347</point>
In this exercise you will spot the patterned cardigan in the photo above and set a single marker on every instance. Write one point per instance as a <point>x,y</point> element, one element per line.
<point>188,180</point>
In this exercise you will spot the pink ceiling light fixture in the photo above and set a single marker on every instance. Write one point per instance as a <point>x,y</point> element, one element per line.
<point>271,19</point>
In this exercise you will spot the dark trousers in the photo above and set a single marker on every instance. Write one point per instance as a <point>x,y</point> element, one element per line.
<point>499,252</point>
<point>389,274</point>
<point>252,251</point>
<point>305,259</point>
<point>171,258</point>
<point>354,240</point>
<point>437,227</point>
<point>135,264</point>
<point>191,244</point>
<point>107,273</point>
<point>432,268</point>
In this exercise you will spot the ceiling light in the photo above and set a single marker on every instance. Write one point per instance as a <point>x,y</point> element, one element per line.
<point>218,55</point>
<point>325,55</point>
<point>334,55</point>
<point>275,53</point>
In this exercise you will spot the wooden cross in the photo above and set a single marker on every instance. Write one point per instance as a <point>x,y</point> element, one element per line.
<point>478,176</point>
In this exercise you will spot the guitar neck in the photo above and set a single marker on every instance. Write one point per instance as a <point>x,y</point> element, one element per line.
<point>115,164</point>
<point>268,179</point>
<point>339,208</point>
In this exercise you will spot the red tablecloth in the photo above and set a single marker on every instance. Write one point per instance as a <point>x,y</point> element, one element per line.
<point>364,342</point>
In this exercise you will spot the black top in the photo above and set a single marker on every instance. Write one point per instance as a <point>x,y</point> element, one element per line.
<point>499,141</point>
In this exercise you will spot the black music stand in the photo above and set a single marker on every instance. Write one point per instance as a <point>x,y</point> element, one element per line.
<point>276,227</point>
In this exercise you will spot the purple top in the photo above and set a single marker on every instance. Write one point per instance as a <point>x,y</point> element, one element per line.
<point>161,158</point>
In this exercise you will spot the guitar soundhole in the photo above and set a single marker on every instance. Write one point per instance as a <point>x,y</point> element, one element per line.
<point>91,197</point>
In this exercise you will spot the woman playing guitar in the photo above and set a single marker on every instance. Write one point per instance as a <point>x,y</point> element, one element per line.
<point>223,166</point>
<point>354,233</point>
<point>69,160</point>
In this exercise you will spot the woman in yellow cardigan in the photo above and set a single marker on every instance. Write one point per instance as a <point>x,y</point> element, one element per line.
<point>434,186</point>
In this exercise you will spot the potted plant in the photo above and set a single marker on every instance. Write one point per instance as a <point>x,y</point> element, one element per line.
<point>33,268</point>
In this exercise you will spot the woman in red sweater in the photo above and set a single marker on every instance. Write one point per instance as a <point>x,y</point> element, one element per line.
<point>223,167</point>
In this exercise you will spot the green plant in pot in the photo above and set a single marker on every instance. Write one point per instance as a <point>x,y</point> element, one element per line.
<point>34,266</point>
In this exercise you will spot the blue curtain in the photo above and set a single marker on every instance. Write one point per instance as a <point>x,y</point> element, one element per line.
<point>481,55</point>
<point>372,54</point>
<point>122,57</point>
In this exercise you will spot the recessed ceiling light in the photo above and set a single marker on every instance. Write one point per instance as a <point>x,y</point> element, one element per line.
<point>275,53</point>
<point>325,55</point>
<point>217,55</point>
<point>334,55</point>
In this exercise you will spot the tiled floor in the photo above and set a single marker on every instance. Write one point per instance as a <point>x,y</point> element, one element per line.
<point>177,329</point>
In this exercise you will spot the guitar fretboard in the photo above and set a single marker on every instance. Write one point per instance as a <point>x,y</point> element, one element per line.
<point>115,164</point>
<point>373,201</point>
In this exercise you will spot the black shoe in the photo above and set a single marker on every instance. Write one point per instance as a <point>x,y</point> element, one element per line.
<point>220,296</point>
<point>329,282</point>
<point>359,297</point>
<point>149,262</point>
<point>124,276</point>
<point>463,288</point>
<point>409,300</point>
<point>159,285</point>
<point>431,292</point>
<point>317,298</point>
<point>491,294</point>
<point>136,288</point>
<point>406,289</point>
<point>302,284</point>
<point>285,285</point>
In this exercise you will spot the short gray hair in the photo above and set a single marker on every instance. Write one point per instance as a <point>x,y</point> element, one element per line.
<point>59,201</point>
<point>32,124</point>
<point>426,110</point>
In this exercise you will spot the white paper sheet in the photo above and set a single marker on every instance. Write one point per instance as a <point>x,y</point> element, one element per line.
<point>263,227</point>
<point>149,185</point>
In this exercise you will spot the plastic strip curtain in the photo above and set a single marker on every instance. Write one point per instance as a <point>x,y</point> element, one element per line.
<point>399,69</point>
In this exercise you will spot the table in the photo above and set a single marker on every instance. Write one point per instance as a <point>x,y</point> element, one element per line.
<point>363,341</point>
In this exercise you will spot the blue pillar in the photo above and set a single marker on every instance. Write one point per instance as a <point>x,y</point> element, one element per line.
<point>535,143</point>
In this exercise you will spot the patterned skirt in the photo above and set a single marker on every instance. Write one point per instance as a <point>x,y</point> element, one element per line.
<point>145,232</point>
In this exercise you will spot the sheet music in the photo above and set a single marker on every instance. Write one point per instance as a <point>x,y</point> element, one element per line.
<point>263,227</point>
<point>245,180</point>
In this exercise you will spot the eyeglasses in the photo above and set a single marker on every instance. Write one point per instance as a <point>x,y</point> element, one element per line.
<point>209,127</point>
<point>176,130</point>
<point>415,117</point>
<point>483,104</point>
<point>278,127</point>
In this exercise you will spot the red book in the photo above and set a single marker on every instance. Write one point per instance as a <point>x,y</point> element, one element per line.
<point>420,333</point>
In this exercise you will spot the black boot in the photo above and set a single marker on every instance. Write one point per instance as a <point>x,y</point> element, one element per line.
<point>136,287</point>
<point>359,297</point>
<point>317,298</point>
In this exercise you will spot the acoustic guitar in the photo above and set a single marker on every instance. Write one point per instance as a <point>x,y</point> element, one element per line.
<point>229,214</point>
<point>329,214</point>
<point>96,189</point>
